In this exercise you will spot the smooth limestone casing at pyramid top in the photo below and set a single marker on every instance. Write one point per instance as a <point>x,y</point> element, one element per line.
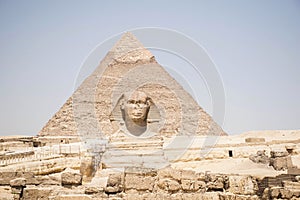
<point>127,67</point>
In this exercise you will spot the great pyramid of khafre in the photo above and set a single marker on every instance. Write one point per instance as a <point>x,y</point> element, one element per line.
<point>92,110</point>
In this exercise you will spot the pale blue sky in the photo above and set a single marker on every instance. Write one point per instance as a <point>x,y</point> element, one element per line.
<point>254,44</point>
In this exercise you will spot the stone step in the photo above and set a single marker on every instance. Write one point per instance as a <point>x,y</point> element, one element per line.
<point>118,152</point>
<point>133,158</point>
<point>126,144</point>
<point>122,165</point>
<point>135,139</point>
<point>113,160</point>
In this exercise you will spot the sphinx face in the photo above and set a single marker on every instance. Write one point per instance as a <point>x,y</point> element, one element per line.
<point>137,107</point>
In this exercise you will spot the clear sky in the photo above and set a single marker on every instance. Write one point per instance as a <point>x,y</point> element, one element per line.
<point>254,44</point>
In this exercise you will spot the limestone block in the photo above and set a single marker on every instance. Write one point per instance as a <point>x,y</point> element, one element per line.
<point>92,190</point>
<point>169,173</point>
<point>6,177</point>
<point>275,154</point>
<point>188,175</point>
<point>208,196</point>
<point>169,185</point>
<point>291,185</point>
<point>73,197</point>
<point>18,182</point>
<point>285,193</point>
<point>71,177</point>
<point>54,179</point>
<point>176,196</point>
<point>36,193</point>
<point>246,197</point>
<point>5,193</point>
<point>214,182</point>
<point>87,168</point>
<point>192,185</point>
<point>115,182</point>
<point>227,196</point>
<point>139,182</point>
<point>202,196</point>
<point>260,157</point>
<point>254,140</point>
<point>275,192</point>
<point>245,185</point>
<point>280,163</point>
<point>16,190</point>
<point>266,194</point>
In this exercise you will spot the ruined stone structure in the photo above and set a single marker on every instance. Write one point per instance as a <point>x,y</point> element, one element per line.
<point>130,131</point>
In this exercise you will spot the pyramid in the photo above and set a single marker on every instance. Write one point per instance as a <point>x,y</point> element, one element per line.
<point>90,112</point>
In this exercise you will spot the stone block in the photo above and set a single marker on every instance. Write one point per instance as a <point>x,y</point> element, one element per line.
<point>255,140</point>
<point>71,177</point>
<point>215,183</point>
<point>18,182</point>
<point>169,185</point>
<point>244,185</point>
<point>276,154</point>
<point>227,196</point>
<point>291,185</point>
<point>115,183</point>
<point>73,197</point>
<point>260,157</point>
<point>275,192</point>
<point>139,182</point>
<point>280,163</point>
<point>16,190</point>
<point>92,190</point>
<point>36,193</point>
<point>169,173</point>
<point>188,175</point>
<point>5,193</point>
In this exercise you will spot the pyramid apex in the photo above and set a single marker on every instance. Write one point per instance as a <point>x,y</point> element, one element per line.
<point>130,49</point>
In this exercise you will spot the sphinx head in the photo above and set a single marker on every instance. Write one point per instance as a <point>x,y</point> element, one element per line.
<point>135,109</point>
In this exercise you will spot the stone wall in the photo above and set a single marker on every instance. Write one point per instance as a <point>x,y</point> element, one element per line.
<point>142,183</point>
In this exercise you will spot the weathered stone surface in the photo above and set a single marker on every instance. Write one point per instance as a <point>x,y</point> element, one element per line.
<point>255,140</point>
<point>280,163</point>
<point>188,174</point>
<point>139,182</point>
<point>115,183</point>
<point>93,190</point>
<point>74,197</point>
<point>16,190</point>
<point>87,168</point>
<point>291,185</point>
<point>18,182</point>
<point>215,182</point>
<point>6,177</point>
<point>192,185</point>
<point>36,193</point>
<point>53,179</point>
<point>275,154</point>
<point>169,185</point>
<point>5,193</point>
<point>260,157</point>
<point>169,173</point>
<point>275,192</point>
<point>71,177</point>
<point>245,185</point>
